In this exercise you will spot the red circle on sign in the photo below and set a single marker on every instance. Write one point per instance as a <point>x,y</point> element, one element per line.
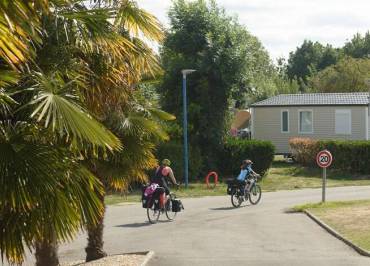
<point>324,159</point>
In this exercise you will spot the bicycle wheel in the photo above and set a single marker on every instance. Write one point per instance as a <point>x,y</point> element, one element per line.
<point>236,199</point>
<point>153,213</point>
<point>255,194</point>
<point>169,213</point>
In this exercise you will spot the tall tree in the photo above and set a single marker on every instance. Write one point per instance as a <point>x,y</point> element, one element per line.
<point>229,63</point>
<point>138,125</point>
<point>348,75</point>
<point>278,82</point>
<point>309,58</point>
<point>358,46</point>
<point>283,84</point>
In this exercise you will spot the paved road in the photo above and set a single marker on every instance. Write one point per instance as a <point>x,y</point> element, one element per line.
<point>210,232</point>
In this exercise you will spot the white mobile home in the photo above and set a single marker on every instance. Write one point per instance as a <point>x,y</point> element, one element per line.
<point>314,115</point>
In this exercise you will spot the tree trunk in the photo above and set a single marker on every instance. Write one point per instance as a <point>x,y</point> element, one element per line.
<point>94,249</point>
<point>47,252</point>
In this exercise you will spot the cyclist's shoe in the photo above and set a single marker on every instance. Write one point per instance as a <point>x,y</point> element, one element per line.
<point>168,203</point>
<point>156,205</point>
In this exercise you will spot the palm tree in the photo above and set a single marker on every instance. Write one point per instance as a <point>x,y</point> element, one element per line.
<point>112,67</point>
<point>137,127</point>
<point>46,193</point>
<point>55,197</point>
<point>65,66</point>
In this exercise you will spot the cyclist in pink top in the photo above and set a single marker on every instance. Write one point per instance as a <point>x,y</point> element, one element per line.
<point>162,173</point>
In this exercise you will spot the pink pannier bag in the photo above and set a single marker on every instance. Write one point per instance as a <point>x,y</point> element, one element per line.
<point>150,190</point>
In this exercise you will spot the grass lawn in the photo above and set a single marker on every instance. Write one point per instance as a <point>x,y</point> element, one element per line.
<point>287,176</point>
<point>349,218</point>
<point>281,176</point>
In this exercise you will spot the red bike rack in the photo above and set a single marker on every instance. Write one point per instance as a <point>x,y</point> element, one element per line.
<point>215,177</point>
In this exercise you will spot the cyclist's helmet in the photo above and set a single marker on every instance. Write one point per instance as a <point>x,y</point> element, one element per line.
<point>166,162</point>
<point>248,162</point>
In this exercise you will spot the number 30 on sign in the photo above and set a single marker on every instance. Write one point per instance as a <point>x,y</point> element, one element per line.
<point>324,159</point>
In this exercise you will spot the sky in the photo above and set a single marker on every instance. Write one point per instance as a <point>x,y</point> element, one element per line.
<point>282,25</point>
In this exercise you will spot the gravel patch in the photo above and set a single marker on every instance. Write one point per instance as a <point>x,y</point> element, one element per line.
<point>114,260</point>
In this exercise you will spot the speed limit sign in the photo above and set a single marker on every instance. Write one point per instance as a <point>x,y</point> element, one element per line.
<point>324,159</point>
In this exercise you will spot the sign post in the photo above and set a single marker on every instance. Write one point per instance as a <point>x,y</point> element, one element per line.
<point>324,160</point>
<point>323,184</point>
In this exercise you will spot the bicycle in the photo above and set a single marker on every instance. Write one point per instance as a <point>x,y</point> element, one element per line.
<point>252,192</point>
<point>154,210</point>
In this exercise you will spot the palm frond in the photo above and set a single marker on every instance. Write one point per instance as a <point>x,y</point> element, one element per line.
<point>8,77</point>
<point>129,165</point>
<point>145,60</point>
<point>20,24</point>
<point>91,31</point>
<point>6,103</point>
<point>140,129</point>
<point>160,114</point>
<point>58,109</point>
<point>135,124</point>
<point>138,21</point>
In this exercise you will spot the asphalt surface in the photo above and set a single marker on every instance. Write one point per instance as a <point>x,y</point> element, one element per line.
<point>211,232</point>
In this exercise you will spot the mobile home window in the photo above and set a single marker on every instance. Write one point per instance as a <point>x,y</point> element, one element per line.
<point>284,121</point>
<point>305,122</point>
<point>343,122</point>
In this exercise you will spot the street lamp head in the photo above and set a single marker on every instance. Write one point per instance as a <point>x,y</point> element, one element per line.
<point>187,71</point>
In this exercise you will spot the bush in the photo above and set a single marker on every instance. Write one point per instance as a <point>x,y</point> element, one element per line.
<point>347,155</point>
<point>237,150</point>
<point>304,150</point>
<point>174,151</point>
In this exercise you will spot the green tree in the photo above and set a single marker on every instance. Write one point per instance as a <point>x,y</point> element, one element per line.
<point>358,46</point>
<point>310,58</point>
<point>279,82</point>
<point>348,75</point>
<point>230,63</point>
<point>283,83</point>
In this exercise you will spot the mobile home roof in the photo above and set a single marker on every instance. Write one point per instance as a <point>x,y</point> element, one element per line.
<point>313,99</point>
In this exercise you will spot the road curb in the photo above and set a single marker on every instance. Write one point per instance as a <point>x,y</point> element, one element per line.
<point>361,251</point>
<point>148,257</point>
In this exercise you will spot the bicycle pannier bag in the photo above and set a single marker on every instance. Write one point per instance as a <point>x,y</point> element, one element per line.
<point>146,200</point>
<point>177,205</point>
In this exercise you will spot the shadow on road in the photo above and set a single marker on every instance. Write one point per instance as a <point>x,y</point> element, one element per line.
<point>134,225</point>
<point>291,210</point>
<point>223,208</point>
<point>137,225</point>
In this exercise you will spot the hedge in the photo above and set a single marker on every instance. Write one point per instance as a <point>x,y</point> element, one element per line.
<point>347,155</point>
<point>304,150</point>
<point>237,150</point>
<point>174,152</point>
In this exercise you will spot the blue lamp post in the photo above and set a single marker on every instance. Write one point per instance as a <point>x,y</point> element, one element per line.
<point>185,124</point>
